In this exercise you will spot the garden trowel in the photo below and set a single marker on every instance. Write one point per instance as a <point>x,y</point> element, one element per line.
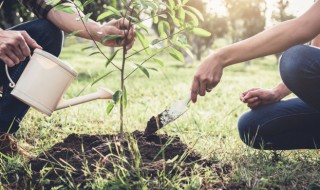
<point>167,116</point>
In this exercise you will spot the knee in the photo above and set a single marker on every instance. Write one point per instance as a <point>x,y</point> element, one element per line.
<point>292,64</point>
<point>247,127</point>
<point>48,36</point>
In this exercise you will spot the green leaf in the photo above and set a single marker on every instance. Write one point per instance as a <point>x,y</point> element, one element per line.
<point>171,4</point>
<point>105,15</point>
<point>112,57</point>
<point>151,68</point>
<point>86,48</point>
<point>155,19</point>
<point>94,53</point>
<point>182,13</point>
<point>144,4</point>
<point>144,27</point>
<point>64,8</point>
<point>86,18</point>
<point>185,2</point>
<point>54,2</point>
<point>124,97</point>
<point>110,108</point>
<point>116,96</point>
<point>197,12</point>
<point>78,4</point>
<point>115,11</point>
<point>144,70</point>
<point>155,41</point>
<point>193,17</point>
<point>87,2</point>
<point>164,29</point>
<point>109,37</point>
<point>159,62</point>
<point>144,42</point>
<point>73,33</point>
<point>201,32</point>
<point>101,77</point>
<point>152,5</point>
<point>176,54</point>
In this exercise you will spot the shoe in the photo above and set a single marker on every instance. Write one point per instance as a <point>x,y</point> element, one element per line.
<point>9,146</point>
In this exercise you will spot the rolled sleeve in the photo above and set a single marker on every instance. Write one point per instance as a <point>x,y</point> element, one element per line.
<point>40,7</point>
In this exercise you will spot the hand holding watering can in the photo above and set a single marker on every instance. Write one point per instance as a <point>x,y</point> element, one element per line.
<point>44,82</point>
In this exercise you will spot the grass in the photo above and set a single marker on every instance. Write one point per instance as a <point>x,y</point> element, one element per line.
<point>210,125</point>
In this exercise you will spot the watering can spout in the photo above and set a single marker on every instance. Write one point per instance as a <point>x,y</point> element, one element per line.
<point>99,94</point>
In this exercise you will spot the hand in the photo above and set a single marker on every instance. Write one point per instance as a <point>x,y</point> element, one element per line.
<point>256,97</point>
<point>117,27</point>
<point>207,77</point>
<point>14,46</point>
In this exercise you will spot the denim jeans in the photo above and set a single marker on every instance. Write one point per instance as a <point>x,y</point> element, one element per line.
<point>293,123</point>
<point>12,111</point>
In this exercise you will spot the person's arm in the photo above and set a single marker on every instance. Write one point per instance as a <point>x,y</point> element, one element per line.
<point>316,41</point>
<point>256,97</point>
<point>70,22</point>
<point>274,40</point>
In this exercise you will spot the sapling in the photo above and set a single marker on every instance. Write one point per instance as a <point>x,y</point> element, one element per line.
<point>177,19</point>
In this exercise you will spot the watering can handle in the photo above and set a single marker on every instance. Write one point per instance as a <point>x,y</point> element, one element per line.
<point>12,84</point>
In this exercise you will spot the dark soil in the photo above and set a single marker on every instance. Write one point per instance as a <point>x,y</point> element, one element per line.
<point>87,156</point>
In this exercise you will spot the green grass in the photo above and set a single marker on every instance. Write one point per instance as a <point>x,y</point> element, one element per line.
<point>210,125</point>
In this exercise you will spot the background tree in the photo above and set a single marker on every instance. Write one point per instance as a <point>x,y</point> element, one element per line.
<point>246,18</point>
<point>216,25</point>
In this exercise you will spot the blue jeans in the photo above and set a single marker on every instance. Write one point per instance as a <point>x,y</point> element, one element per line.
<point>293,123</point>
<point>12,110</point>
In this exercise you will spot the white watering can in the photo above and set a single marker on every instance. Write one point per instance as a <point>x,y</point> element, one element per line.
<point>44,82</point>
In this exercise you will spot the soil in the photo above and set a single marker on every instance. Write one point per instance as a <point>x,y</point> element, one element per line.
<point>98,153</point>
<point>153,125</point>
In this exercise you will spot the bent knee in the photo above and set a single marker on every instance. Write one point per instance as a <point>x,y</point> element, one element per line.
<point>292,62</point>
<point>248,130</point>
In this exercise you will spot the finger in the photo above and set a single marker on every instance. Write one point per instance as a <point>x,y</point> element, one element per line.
<point>31,42</point>
<point>19,53</point>
<point>194,89</point>
<point>129,46</point>
<point>23,46</point>
<point>7,61</point>
<point>13,57</point>
<point>202,89</point>
<point>251,94</point>
<point>124,23</point>
<point>254,105</point>
<point>252,89</point>
<point>251,100</point>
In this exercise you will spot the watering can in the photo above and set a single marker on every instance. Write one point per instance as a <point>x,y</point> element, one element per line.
<point>44,82</point>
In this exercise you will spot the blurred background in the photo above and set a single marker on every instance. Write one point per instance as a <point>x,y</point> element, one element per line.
<point>230,20</point>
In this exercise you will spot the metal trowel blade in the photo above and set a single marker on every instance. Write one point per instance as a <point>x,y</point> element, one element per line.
<point>167,116</point>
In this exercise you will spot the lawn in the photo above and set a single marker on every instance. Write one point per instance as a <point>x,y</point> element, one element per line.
<point>209,126</point>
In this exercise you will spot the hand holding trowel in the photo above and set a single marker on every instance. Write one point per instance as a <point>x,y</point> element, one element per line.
<point>167,116</point>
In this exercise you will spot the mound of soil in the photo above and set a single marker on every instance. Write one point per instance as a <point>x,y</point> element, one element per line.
<point>80,158</point>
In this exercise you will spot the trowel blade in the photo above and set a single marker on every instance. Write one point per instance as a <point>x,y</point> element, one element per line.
<point>167,116</point>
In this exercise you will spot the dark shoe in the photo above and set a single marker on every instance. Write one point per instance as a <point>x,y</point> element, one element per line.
<point>9,146</point>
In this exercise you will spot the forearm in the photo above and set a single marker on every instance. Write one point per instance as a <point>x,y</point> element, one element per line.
<point>70,22</point>
<point>274,40</point>
<point>281,91</point>
<point>316,41</point>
